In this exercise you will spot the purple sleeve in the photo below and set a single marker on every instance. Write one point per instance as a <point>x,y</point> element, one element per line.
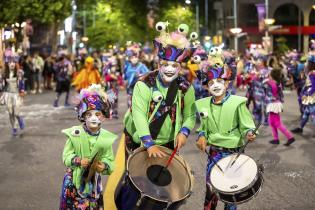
<point>312,79</point>
<point>21,85</point>
<point>147,141</point>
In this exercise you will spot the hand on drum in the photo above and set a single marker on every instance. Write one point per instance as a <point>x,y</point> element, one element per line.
<point>85,162</point>
<point>250,136</point>
<point>180,140</point>
<point>202,143</point>
<point>99,166</point>
<point>155,152</point>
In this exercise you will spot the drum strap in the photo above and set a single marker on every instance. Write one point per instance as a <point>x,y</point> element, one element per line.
<point>156,125</point>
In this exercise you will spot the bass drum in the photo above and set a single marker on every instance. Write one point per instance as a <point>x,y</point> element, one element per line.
<point>136,191</point>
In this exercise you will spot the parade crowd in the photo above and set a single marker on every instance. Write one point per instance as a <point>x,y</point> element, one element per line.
<point>169,87</point>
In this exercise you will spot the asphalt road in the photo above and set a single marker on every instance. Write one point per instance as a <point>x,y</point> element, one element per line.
<point>31,169</point>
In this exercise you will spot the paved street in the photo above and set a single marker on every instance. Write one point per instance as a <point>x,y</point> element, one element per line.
<point>31,168</point>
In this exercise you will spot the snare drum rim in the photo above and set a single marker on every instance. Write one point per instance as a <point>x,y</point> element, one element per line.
<point>169,152</point>
<point>241,190</point>
<point>248,199</point>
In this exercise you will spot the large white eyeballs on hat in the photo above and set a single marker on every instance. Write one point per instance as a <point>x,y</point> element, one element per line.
<point>183,29</point>
<point>215,51</point>
<point>197,59</point>
<point>160,26</point>
<point>193,36</point>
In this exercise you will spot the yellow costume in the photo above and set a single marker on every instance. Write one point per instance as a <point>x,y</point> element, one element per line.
<point>87,76</point>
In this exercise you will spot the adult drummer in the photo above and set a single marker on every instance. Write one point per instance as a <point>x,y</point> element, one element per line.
<point>225,120</point>
<point>162,110</point>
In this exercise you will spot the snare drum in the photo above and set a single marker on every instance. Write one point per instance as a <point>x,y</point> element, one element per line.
<point>239,183</point>
<point>135,191</point>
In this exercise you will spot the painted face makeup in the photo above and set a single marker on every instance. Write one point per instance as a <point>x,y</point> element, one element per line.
<point>217,87</point>
<point>93,119</point>
<point>169,70</point>
<point>134,60</point>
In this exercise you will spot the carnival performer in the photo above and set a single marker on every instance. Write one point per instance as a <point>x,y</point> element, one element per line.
<point>274,100</point>
<point>225,120</point>
<point>162,111</point>
<point>88,152</point>
<point>87,76</point>
<point>13,94</point>
<point>308,92</point>
<point>133,68</point>
<point>256,92</point>
<point>113,80</point>
<point>63,78</point>
<point>296,75</point>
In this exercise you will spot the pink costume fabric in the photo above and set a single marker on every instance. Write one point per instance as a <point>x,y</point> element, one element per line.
<point>274,119</point>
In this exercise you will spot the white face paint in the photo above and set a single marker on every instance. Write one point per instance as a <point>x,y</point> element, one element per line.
<point>93,119</point>
<point>11,65</point>
<point>217,87</point>
<point>169,70</point>
<point>134,60</point>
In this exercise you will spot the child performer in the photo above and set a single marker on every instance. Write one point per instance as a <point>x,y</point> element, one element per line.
<point>225,119</point>
<point>274,100</point>
<point>88,149</point>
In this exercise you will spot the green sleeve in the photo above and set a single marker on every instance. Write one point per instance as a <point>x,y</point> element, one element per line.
<point>68,154</point>
<point>108,159</point>
<point>245,118</point>
<point>189,114</point>
<point>140,107</point>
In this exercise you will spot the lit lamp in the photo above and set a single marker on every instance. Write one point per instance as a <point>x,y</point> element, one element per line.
<point>85,39</point>
<point>313,6</point>
<point>188,2</point>
<point>269,21</point>
<point>236,31</point>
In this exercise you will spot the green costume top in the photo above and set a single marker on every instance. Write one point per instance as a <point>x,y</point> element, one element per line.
<point>225,125</point>
<point>81,144</point>
<point>144,109</point>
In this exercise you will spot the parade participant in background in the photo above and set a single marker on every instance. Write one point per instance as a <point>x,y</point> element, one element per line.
<point>308,92</point>
<point>133,68</point>
<point>296,75</point>
<point>162,111</point>
<point>88,152</point>
<point>87,76</point>
<point>63,78</point>
<point>256,92</point>
<point>225,120</point>
<point>48,71</point>
<point>113,80</point>
<point>13,94</point>
<point>38,66</point>
<point>274,100</point>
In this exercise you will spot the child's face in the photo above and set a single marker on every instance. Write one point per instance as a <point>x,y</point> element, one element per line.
<point>93,119</point>
<point>217,87</point>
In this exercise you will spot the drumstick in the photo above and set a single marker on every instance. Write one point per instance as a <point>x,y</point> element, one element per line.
<point>215,163</point>
<point>243,148</point>
<point>167,163</point>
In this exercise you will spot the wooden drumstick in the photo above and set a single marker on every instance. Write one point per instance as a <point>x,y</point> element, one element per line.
<point>243,148</point>
<point>215,163</point>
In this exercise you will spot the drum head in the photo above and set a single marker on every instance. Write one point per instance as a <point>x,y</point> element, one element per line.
<point>239,176</point>
<point>180,184</point>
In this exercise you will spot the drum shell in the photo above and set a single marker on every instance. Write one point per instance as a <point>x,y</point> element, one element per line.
<point>243,195</point>
<point>133,200</point>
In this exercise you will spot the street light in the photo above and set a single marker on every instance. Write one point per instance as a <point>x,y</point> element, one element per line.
<point>236,31</point>
<point>269,21</point>
<point>188,2</point>
<point>313,6</point>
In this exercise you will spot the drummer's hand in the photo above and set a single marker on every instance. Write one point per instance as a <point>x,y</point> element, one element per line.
<point>250,136</point>
<point>99,167</point>
<point>202,143</point>
<point>180,140</point>
<point>85,162</point>
<point>155,152</point>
